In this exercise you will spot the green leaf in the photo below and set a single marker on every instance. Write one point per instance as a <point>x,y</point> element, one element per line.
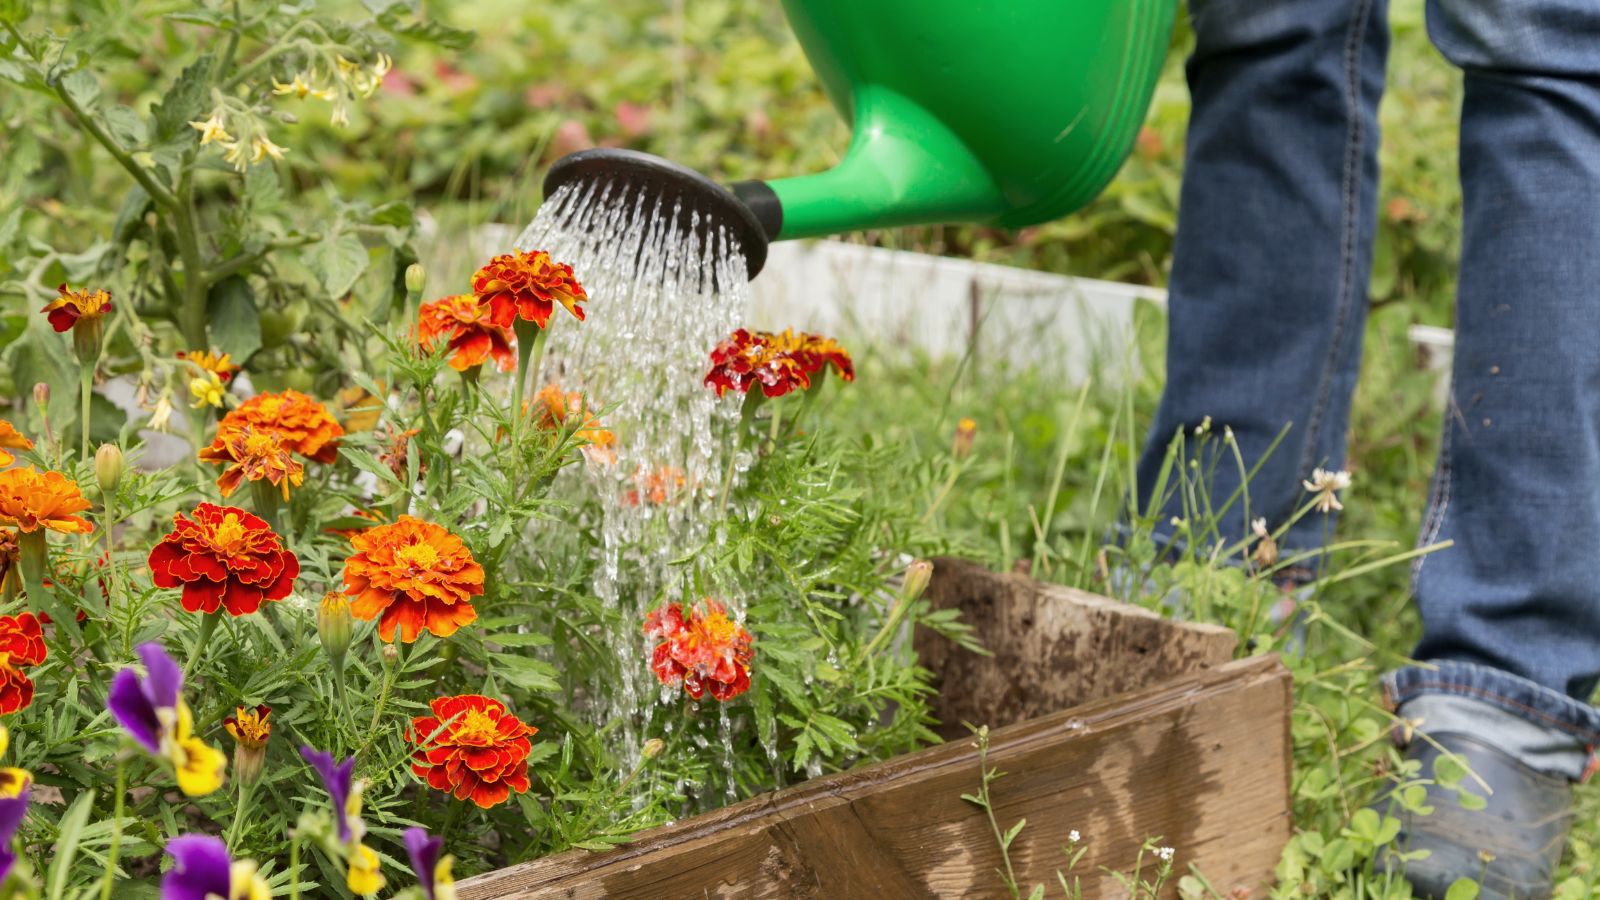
<point>1448,770</point>
<point>66,843</point>
<point>1462,889</point>
<point>201,17</point>
<point>366,462</point>
<point>235,321</point>
<point>338,263</point>
<point>1012,832</point>
<point>515,639</point>
<point>83,88</point>
<point>189,96</point>
<point>126,126</point>
<point>14,11</point>
<point>525,673</point>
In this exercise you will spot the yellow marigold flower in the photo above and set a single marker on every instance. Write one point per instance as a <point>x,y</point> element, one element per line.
<point>253,454</point>
<point>364,877</point>
<point>221,364</point>
<point>263,147</point>
<point>10,439</point>
<point>207,390</point>
<point>32,500</point>
<point>199,766</point>
<point>213,129</point>
<point>73,308</point>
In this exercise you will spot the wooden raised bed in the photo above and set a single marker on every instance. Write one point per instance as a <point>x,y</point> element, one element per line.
<point>1106,718</point>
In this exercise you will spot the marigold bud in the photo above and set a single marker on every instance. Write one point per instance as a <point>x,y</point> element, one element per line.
<point>416,278</point>
<point>391,654</point>
<point>41,393</point>
<point>916,579</point>
<point>250,729</point>
<point>108,467</point>
<point>652,748</point>
<point>961,446</point>
<point>333,625</point>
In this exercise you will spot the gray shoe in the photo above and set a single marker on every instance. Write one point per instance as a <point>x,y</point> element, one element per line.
<point>1514,844</point>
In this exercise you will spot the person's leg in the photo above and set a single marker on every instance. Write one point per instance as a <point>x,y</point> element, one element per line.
<point>1511,611</point>
<point>1273,254</point>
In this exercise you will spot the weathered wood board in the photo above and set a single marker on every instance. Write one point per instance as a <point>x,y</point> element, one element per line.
<point>1201,761</point>
<point>1053,647</point>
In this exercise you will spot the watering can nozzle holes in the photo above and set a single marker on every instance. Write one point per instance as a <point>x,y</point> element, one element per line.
<point>682,188</point>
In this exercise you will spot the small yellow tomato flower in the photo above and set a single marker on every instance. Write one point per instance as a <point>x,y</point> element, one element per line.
<point>264,148</point>
<point>206,390</point>
<point>212,130</point>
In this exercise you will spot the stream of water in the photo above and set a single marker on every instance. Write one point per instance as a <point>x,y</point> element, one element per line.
<point>663,290</point>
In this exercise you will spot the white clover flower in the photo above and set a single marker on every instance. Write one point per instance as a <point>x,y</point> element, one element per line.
<point>1326,485</point>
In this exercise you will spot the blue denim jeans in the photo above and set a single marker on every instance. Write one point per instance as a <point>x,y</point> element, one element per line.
<point>1268,301</point>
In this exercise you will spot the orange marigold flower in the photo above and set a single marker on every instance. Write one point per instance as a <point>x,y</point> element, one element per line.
<point>21,644</point>
<point>473,337</point>
<point>218,364</point>
<point>415,575</point>
<point>527,286</point>
<point>10,439</point>
<point>780,362</point>
<point>481,755</point>
<point>701,648</point>
<point>71,307</point>
<point>560,409</point>
<point>31,500</point>
<point>249,726</point>
<point>306,425</point>
<point>656,487</point>
<point>253,454</point>
<point>223,557</point>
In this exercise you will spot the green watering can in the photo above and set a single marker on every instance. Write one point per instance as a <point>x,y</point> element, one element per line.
<point>1001,112</point>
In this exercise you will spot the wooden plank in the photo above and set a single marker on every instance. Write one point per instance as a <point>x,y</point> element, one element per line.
<point>1053,647</point>
<point>1201,761</point>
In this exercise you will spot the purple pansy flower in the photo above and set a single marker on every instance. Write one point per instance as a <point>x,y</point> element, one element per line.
<point>136,701</point>
<point>424,852</point>
<point>200,869</point>
<point>12,809</point>
<point>337,781</point>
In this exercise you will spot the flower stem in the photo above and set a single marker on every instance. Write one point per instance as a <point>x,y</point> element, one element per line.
<point>294,867</point>
<point>265,499</point>
<point>34,556</point>
<point>207,626</point>
<point>246,792</point>
<point>86,391</point>
<point>116,829</point>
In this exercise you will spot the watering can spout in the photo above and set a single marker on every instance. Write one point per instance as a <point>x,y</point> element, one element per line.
<point>903,167</point>
<point>1004,114</point>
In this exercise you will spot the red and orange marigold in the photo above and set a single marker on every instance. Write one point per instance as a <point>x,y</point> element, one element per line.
<point>779,362</point>
<point>306,425</point>
<point>412,576</point>
<point>480,755</point>
<point>21,644</point>
<point>701,648</point>
<point>520,285</point>
<point>223,558</point>
<point>11,439</point>
<point>32,500</point>
<point>65,311</point>
<point>473,337</point>
<point>252,453</point>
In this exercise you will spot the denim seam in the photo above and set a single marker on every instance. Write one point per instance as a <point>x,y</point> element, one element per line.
<point>1412,690</point>
<point>1354,135</point>
<point>1439,503</point>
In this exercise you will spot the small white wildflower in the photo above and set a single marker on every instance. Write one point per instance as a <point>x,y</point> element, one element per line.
<point>1266,552</point>
<point>1073,836</point>
<point>1165,853</point>
<point>1326,485</point>
<point>161,416</point>
<point>1204,426</point>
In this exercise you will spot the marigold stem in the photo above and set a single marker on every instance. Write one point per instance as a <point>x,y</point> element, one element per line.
<point>207,626</point>
<point>116,829</point>
<point>34,556</point>
<point>246,793</point>
<point>86,390</point>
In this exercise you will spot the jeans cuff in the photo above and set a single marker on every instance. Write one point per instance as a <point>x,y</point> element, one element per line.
<point>1525,699</point>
